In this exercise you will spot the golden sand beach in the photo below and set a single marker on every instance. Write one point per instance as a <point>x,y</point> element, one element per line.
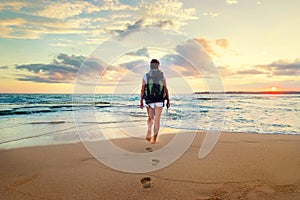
<point>241,166</point>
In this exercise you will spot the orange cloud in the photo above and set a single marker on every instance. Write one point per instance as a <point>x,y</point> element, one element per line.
<point>222,42</point>
<point>207,45</point>
<point>213,46</point>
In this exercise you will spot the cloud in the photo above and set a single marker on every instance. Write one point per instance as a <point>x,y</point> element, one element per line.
<point>115,5</point>
<point>282,67</point>
<point>226,71</point>
<point>173,66</point>
<point>91,69</point>
<point>211,14</point>
<point>128,27</point>
<point>63,69</point>
<point>231,2</point>
<point>217,47</point>
<point>137,66</point>
<point>49,72</point>
<point>168,11</point>
<point>25,29</point>
<point>14,28</point>
<point>206,44</point>
<point>190,60</point>
<point>176,65</point>
<point>36,28</point>
<point>59,18</point>
<point>59,44</point>
<point>69,60</point>
<point>140,52</point>
<point>65,10</point>
<point>213,47</point>
<point>12,5</point>
<point>12,22</point>
<point>164,9</point>
<point>83,18</point>
<point>285,68</point>
<point>160,14</point>
<point>40,79</point>
<point>120,16</point>
<point>163,24</point>
<point>66,69</point>
<point>251,71</point>
<point>141,23</point>
<point>4,67</point>
<point>222,42</point>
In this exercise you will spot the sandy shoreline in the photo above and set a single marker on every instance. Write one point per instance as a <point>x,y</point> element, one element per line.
<point>241,166</point>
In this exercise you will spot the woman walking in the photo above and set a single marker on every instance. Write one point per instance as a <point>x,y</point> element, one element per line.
<point>154,91</point>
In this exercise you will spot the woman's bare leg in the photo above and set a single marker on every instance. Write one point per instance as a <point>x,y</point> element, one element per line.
<point>158,111</point>
<point>150,123</point>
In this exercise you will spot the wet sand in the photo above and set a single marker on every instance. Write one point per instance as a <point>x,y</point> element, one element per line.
<point>241,166</point>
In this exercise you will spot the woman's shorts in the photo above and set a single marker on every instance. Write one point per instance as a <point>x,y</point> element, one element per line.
<point>156,104</point>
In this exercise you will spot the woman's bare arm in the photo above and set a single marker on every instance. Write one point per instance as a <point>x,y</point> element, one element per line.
<point>142,94</point>
<point>167,93</point>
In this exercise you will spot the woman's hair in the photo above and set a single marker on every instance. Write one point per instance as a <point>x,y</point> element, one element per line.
<point>154,64</point>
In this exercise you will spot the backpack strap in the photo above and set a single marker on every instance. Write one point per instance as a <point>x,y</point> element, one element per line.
<point>147,85</point>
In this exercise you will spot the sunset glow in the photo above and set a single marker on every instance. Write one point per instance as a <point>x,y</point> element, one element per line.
<point>43,44</point>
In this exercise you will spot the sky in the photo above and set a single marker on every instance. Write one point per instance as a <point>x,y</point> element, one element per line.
<point>106,45</point>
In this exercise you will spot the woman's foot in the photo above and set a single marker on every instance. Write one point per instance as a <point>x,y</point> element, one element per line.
<point>154,142</point>
<point>148,137</point>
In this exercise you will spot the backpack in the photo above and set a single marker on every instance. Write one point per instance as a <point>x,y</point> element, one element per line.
<point>155,89</point>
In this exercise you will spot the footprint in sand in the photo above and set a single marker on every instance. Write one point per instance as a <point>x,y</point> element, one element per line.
<point>22,181</point>
<point>155,162</point>
<point>149,149</point>
<point>146,182</point>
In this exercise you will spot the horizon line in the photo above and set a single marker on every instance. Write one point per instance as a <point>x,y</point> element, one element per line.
<point>203,92</point>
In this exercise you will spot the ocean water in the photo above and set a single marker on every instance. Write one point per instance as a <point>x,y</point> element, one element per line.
<point>42,119</point>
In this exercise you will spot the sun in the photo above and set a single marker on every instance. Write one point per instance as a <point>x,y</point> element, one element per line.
<point>273,88</point>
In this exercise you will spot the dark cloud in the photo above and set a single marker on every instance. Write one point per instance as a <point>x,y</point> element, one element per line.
<point>63,69</point>
<point>91,69</point>
<point>196,56</point>
<point>140,52</point>
<point>176,65</point>
<point>4,77</point>
<point>226,71</point>
<point>37,79</point>
<point>70,60</point>
<point>251,71</point>
<point>51,68</point>
<point>137,66</point>
<point>4,67</point>
<point>285,68</point>
<point>163,23</point>
<point>130,28</point>
<point>277,68</point>
<point>188,60</point>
